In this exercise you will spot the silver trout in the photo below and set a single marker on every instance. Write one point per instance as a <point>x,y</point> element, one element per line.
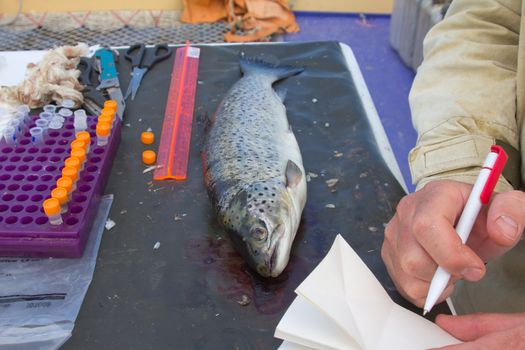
<point>253,168</point>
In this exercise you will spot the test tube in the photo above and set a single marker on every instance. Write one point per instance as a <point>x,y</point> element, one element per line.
<point>67,103</point>
<point>23,109</point>
<point>46,116</point>
<point>105,118</point>
<point>10,135</point>
<point>111,104</point>
<point>73,162</point>
<point>22,116</point>
<point>55,125</point>
<point>37,135</point>
<point>109,113</point>
<point>71,173</point>
<point>18,122</point>
<point>80,154</point>
<point>85,137</point>
<point>43,124</point>
<point>52,210</point>
<point>80,122</point>
<point>65,112</point>
<point>50,108</point>
<point>102,134</point>
<point>61,194</point>
<point>67,184</point>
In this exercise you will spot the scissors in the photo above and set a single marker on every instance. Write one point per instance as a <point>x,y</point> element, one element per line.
<point>93,98</point>
<point>141,62</point>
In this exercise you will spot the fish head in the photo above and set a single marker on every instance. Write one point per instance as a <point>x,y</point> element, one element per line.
<point>262,222</point>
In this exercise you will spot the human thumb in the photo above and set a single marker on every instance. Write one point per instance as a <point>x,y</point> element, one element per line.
<point>506,218</point>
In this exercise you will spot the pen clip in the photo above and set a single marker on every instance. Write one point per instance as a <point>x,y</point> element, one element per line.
<point>495,173</point>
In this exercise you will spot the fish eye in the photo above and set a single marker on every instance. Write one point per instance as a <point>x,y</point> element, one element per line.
<point>259,233</point>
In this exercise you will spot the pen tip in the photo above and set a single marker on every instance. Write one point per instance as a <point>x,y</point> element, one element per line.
<point>425,312</point>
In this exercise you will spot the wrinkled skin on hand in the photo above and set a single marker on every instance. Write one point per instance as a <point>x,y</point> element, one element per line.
<point>421,236</point>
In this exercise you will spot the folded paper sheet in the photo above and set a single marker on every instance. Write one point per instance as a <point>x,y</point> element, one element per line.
<point>341,305</point>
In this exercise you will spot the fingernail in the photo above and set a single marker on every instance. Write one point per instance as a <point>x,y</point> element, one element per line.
<point>472,273</point>
<point>508,227</point>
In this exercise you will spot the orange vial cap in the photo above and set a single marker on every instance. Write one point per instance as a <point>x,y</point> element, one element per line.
<point>110,104</point>
<point>104,118</point>
<point>148,157</point>
<point>147,137</point>
<point>85,137</point>
<point>79,153</point>
<point>78,144</point>
<point>73,162</point>
<point>60,193</point>
<point>70,172</point>
<point>103,129</point>
<point>65,183</point>
<point>51,207</point>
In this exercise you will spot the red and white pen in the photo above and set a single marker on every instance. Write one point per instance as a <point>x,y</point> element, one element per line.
<point>481,193</point>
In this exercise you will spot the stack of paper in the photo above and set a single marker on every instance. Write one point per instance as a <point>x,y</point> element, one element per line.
<point>341,305</point>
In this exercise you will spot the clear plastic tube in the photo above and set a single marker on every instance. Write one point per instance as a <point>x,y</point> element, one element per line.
<point>46,116</point>
<point>80,122</point>
<point>65,112</point>
<point>10,135</point>
<point>68,103</point>
<point>37,135</point>
<point>43,124</point>
<point>19,122</point>
<point>23,109</point>
<point>55,125</point>
<point>50,108</point>
<point>21,115</point>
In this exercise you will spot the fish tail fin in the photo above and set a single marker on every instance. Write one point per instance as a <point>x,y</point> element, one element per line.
<point>277,72</point>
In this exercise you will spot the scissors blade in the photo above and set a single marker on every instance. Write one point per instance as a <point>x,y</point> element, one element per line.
<point>135,83</point>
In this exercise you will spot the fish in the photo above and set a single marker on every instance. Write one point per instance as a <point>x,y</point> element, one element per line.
<point>253,168</point>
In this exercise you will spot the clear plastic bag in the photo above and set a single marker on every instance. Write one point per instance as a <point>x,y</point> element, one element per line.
<point>40,298</point>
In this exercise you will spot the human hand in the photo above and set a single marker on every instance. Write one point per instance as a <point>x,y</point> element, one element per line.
<point>485,331</point>
<point>421,236</point>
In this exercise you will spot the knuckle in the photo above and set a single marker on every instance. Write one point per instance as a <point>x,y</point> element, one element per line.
<point>409,264</point>
<point>420,224</point>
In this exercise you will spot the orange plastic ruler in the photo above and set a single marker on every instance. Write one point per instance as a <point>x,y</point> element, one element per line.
<point>174,147</point>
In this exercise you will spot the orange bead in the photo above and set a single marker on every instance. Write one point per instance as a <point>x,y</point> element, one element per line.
<point>51,207</point>
<point>147,137</point>
<point>149,157</point>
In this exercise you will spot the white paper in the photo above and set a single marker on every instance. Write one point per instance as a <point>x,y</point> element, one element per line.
<point>13,65</point>
<point>341,305</point>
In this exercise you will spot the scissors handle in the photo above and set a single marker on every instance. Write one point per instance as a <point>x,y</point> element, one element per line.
<point>135,54</point>
<point>160,53</point>
<point>86,68</point>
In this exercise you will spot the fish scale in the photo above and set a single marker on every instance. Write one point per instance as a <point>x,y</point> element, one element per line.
<point>251,158</point>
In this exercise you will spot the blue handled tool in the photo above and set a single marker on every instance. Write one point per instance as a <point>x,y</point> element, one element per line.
<point>109,78</point>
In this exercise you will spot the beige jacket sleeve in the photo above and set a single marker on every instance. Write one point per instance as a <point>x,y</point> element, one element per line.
<point>464,94</point>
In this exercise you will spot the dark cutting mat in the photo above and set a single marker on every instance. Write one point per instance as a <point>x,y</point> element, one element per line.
<point>186,294</point>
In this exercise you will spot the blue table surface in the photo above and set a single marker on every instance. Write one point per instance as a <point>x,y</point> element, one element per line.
<point>387,78</point>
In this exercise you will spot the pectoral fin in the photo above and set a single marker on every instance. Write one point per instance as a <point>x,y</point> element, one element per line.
<point>293,174</point>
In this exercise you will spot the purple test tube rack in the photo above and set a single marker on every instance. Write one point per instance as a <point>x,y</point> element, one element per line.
<point>29,172</point>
